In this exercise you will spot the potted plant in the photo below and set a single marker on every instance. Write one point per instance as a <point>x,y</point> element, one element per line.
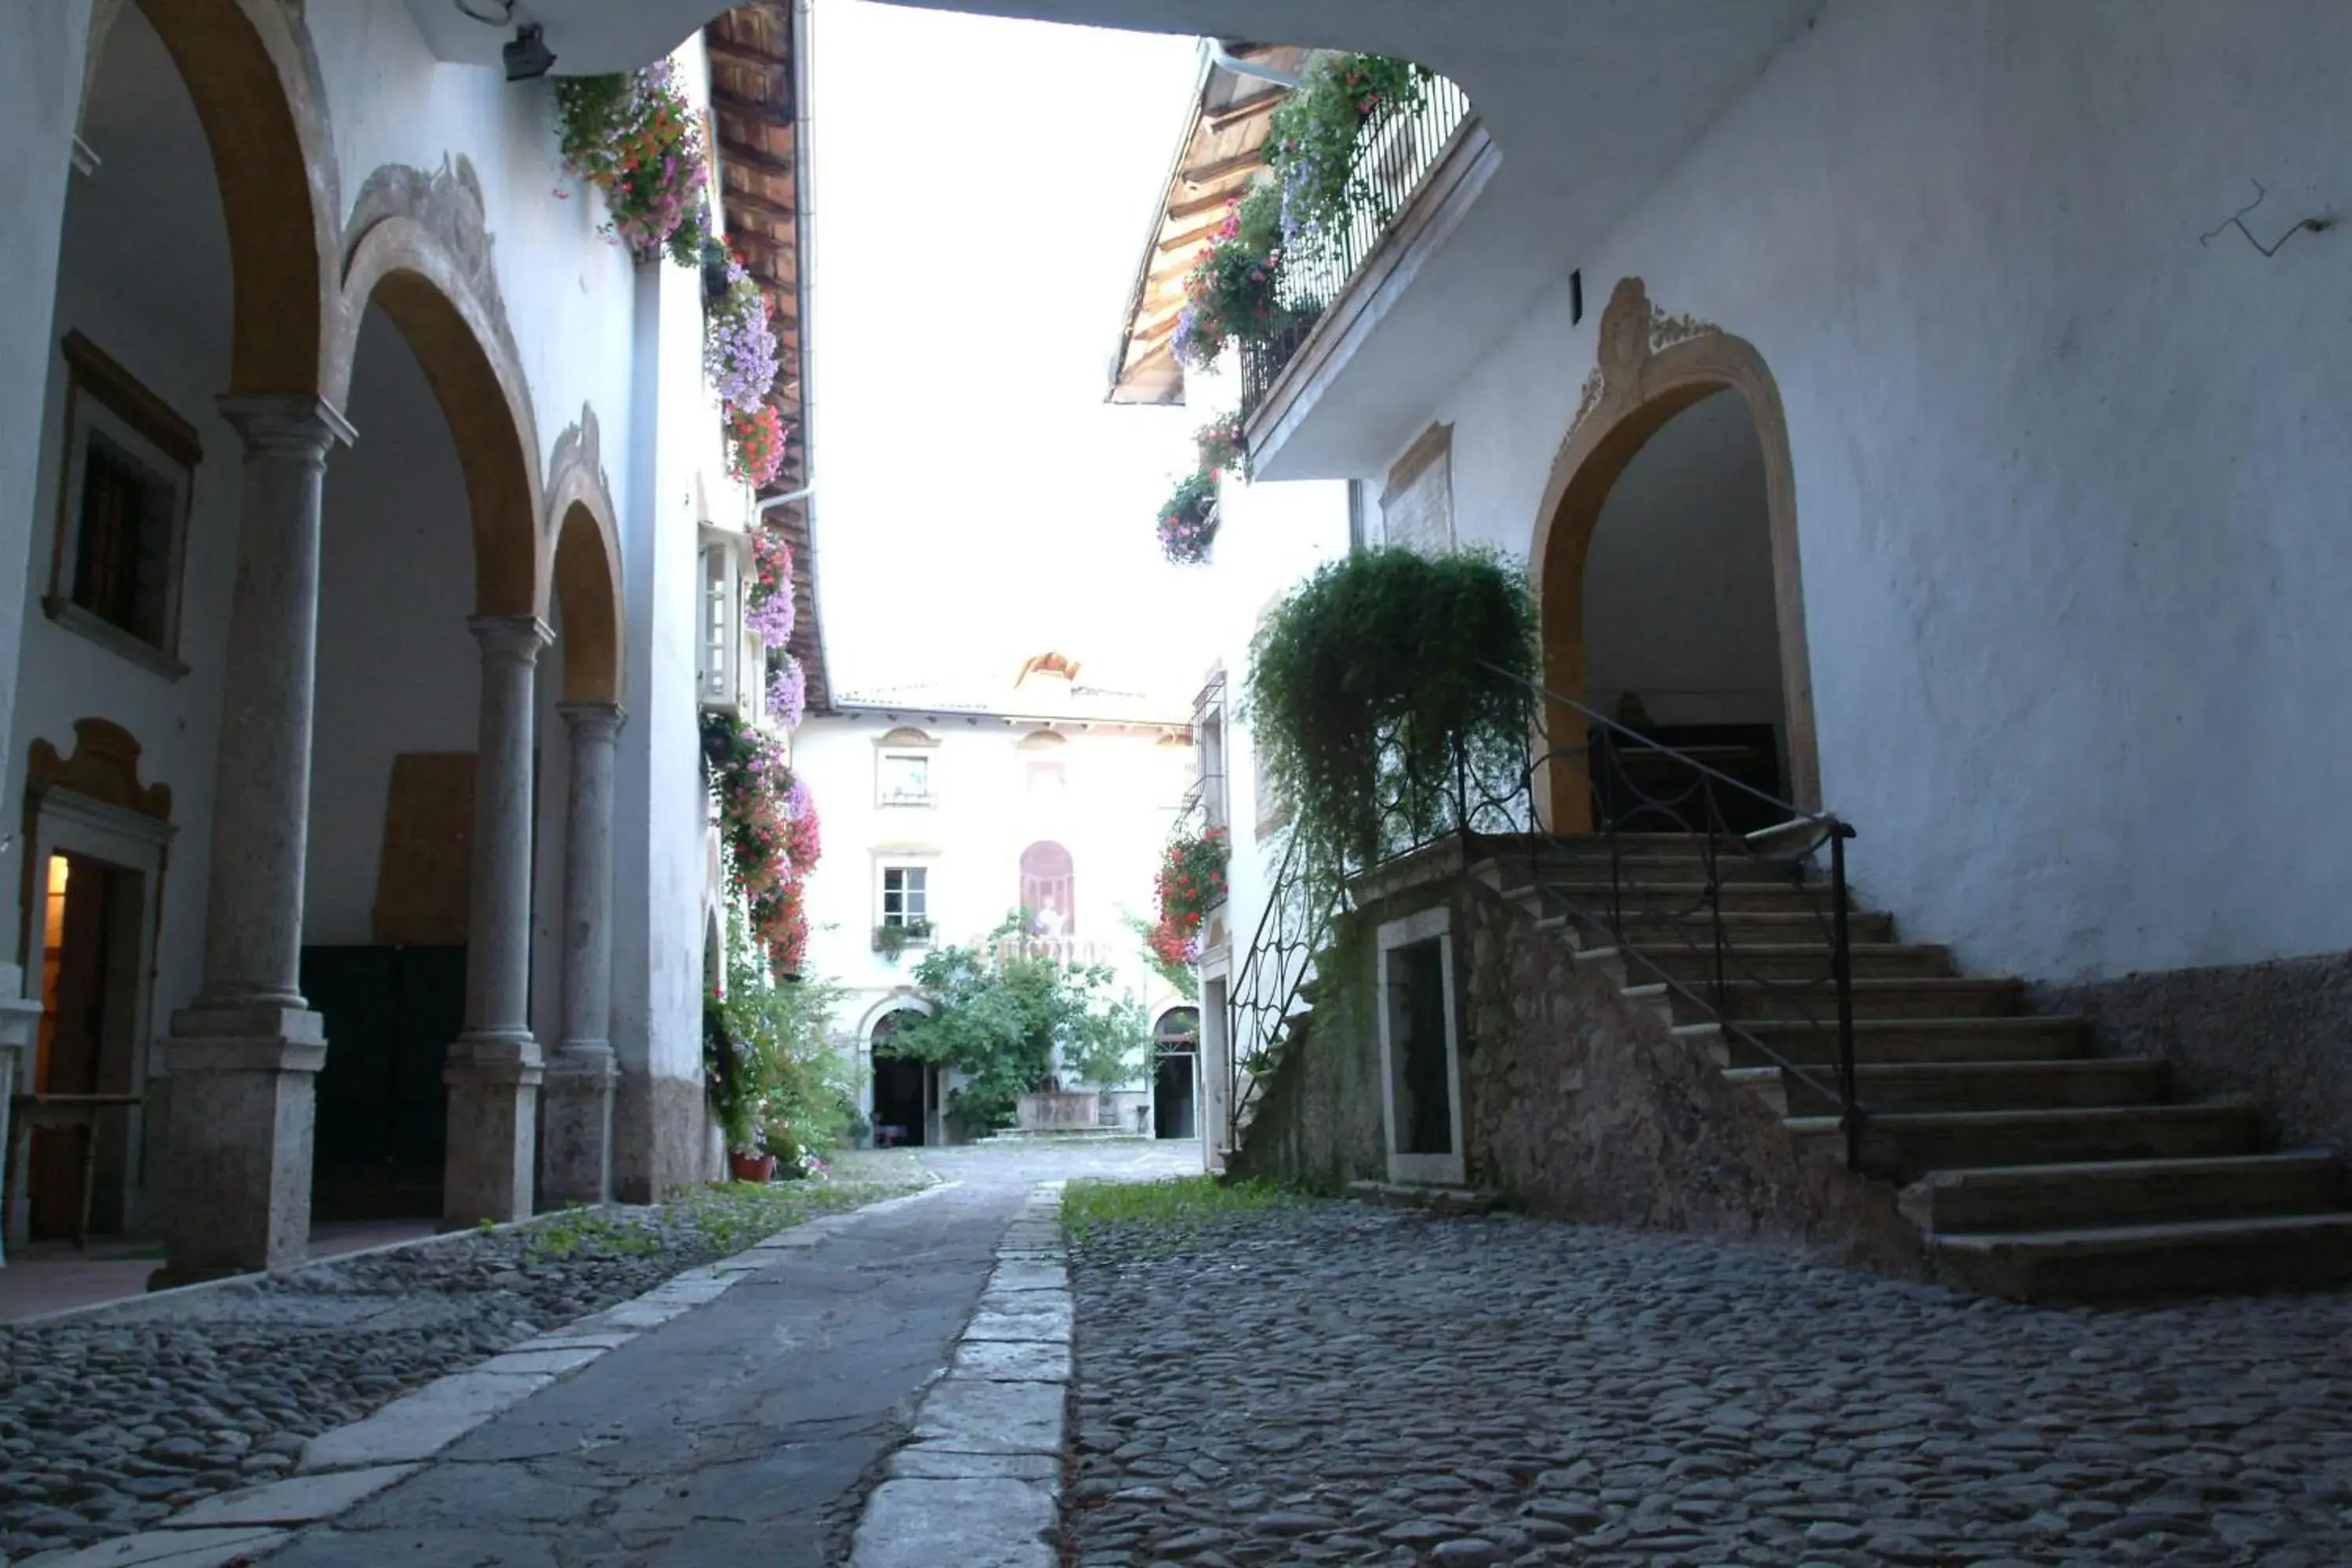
<point>715,263</point>
<point>755,444</point>
<point>1231,291</point>
<point>738,340</point>
<point>892,937</point>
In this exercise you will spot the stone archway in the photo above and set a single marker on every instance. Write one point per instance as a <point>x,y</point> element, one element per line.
<point>248,68</point>
<point>1653,367</point>
<point>584,573</point>
<point>418,249</point>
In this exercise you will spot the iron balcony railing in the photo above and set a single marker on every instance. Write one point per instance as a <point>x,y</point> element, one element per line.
<point>1395,152</point>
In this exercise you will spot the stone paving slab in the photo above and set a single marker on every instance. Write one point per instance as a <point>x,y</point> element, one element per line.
<point>420,1425</point>
<point>175,1549</point>
<point>972,1417</point>
<point>1025,1360</point>
<point>300,1499</point>
<point>992,1523</point>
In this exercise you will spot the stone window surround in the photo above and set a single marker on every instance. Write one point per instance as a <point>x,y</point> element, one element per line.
<point>1441,1170</point>
<point>95,385</point>
<point>925,861</point>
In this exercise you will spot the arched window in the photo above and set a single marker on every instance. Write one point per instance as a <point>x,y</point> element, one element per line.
<point>1049,886</point>
<point>1178,1030</point>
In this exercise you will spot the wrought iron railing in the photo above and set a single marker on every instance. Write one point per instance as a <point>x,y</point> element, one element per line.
<point>1395,152</point>
<point>1687,807</point>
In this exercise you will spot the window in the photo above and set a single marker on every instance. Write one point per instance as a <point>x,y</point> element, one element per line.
<point>906,896</point>
<point>719,635</point>
<point>906,778</point>
<point>1209,746</point>
<point>127,480</point>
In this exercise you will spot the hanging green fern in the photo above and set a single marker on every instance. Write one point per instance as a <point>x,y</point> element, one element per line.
<point>1384,683</point>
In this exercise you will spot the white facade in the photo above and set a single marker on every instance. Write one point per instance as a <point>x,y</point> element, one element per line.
<point>1046,800</point>
<point>461,296</point>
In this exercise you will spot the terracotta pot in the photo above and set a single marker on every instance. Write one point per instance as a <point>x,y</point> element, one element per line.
<point>752,1167</point>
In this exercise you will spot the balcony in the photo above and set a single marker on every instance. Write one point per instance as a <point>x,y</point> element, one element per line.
<point>1398,152</point>
<point>1070,952</point>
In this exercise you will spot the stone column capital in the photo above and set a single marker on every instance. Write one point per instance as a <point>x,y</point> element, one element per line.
<point>289,425</point>
<point>592,721</point>
<point>516,637</point>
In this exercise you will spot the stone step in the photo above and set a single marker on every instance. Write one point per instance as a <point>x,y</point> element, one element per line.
<point>1418,1195</point>
<point>1768,926</point>
<point>2233,1255</point>
<point>1888,1086</point>
<point>2006,1198</point>
<point>1693,962</point>
<point>1684,864</point>
<point>2041,1037</point>
<point>1906,1146</point>
<point>1964,997</point>
<point>1684,896</point>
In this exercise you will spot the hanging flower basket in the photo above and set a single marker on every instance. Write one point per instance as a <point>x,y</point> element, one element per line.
<point>1188,522</point>
<point>1231,291</point>
<point>739,342</point>
<point>768,608</point>
<point>788,693</point>
<point>634,137</point>
<point>755,444</point>
<point>1223,447</point>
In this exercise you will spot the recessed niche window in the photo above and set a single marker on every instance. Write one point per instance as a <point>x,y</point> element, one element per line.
<point>126,480</point>
<point>906,778</point>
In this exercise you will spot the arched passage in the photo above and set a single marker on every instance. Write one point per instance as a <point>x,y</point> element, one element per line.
<point>906,1098</point>
<point>249,73</point>
<point>1653,371</point>
<point>1049,882</point>
<point>1176,1074</point>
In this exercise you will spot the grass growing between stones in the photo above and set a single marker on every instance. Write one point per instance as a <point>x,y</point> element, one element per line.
<point>1168,1213</point>
<point>732,1216</point>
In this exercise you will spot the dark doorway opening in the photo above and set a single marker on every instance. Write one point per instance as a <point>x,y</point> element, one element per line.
<point>1176,1074</point>
<point>390,1014</point>
<point>902,1091</point>
<point>1422,1086</point>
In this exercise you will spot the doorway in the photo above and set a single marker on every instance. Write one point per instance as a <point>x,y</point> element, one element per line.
<point>90,931</point>
<point>903,1092</point>
<point>1420,1054</point>
<point>1175,1076</point>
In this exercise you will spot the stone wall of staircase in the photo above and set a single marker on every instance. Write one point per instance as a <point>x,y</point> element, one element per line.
<point>1583,1104</point>
<point>2280,1032</point>
<point>1576,1102</point>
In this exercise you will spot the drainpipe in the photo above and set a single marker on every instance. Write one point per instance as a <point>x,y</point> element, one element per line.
<point>1225,58</point>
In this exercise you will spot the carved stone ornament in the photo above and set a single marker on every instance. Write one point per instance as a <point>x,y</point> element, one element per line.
<point>1632,328</point>
<point>104,767</point>
<point>447,203</point>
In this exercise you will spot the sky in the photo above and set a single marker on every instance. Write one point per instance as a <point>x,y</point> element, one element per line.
<point>984,193</point>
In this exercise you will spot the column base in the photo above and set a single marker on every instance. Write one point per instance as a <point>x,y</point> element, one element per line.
<point>238,1149</point>
<point>576,1125</point>
<point>493,1114</point>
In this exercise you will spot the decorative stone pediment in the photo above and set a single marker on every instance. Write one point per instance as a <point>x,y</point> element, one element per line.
<point>104,767</point>
<point>576,468</point>
<point>1632,328</point>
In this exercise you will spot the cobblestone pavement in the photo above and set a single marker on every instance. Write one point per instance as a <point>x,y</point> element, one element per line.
<point>1328,1382</point>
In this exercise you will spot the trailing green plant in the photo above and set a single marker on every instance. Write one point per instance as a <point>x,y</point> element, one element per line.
<point>999,1021</point>
<point>1386,688</point>
<point>1314,140</point>
<point>892,937</point>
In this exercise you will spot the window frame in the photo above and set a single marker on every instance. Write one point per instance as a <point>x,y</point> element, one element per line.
<point>105,401</point>
<point>889,799</point>
<point>903,867</point>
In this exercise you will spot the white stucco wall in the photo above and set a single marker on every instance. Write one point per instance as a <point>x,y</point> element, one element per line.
<point>41,46</point>
<point>1113,817</point>
<point>2070,483</point>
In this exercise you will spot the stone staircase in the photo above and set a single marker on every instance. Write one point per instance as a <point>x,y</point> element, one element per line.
<point>2030,1168</point>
